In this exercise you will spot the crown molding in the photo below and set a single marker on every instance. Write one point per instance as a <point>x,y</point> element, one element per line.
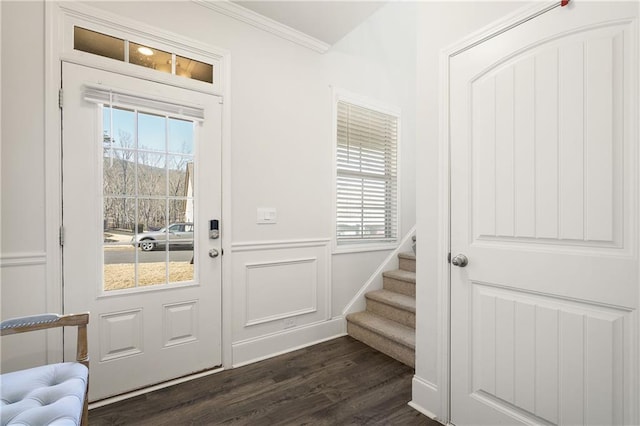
<point>257,20</point>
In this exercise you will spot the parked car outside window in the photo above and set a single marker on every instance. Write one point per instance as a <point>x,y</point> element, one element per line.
<point>176,234</point>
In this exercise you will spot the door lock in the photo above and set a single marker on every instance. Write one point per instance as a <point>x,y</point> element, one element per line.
<point>214,229</point>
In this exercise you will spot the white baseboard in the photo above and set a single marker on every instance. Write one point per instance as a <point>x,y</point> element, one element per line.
<point>422,410</point>
<point>425,398</point>
<point>264,347</point>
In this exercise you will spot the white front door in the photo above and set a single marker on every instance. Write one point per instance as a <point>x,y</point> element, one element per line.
<point>544,204</point>
<point>141,181</point>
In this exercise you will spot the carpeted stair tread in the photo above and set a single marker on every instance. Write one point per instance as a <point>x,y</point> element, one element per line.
<point>391,330</point>
<point>394,299</point>
<point>407,255</point>
<point>401,275</point>
<point>407,261</point>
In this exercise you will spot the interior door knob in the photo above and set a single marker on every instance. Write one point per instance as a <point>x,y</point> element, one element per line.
<point>460,260</point>
<point>213,253</point>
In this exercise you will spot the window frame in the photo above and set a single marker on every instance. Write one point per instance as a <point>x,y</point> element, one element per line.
<point>167,238</point>
<point>341,95</point>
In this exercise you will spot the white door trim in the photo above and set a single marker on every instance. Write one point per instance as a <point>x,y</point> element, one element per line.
<point>55,18</point>
<point>444,224</point>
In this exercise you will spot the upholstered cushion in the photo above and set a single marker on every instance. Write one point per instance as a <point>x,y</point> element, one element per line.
<point>47,395</point>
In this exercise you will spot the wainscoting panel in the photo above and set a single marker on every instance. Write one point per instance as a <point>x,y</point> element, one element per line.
<point>279,287</point>
<point>23,277</point>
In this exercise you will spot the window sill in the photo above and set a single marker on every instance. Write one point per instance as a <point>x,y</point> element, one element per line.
<point>364,247</point>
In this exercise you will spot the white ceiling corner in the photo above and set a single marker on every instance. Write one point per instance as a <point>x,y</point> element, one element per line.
<point>315,24</point>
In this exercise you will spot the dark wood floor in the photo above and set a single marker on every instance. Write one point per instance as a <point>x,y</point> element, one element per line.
<point>339,382</point>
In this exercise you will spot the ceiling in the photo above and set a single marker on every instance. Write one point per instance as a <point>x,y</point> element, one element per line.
<point>326,20</point>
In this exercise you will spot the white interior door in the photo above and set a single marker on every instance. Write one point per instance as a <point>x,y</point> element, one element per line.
<point>141,180</point>
<point>544,168</point>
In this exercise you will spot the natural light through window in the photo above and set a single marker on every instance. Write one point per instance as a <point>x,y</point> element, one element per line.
<point>147,198</point>
<point>366,175</point>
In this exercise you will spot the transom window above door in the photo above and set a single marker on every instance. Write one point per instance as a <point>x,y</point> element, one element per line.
<point>108,46</point>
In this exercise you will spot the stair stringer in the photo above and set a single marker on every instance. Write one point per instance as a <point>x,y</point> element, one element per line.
<point>358,302</point>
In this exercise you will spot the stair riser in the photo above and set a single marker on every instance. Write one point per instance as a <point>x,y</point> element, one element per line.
<point>407,264</point>
<point>391,312</point>
<point>399,286</point>
<point>399,352</point>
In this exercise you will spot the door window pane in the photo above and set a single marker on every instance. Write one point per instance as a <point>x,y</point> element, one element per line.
<point>118,127</point>
<point>152,132</point>
<point>118,225</point>
<point>181,233</point>
<point>148,199</point>
<point>118,172</point>
<point>151,273</point>
<point>180,176</point>
<point>152,219</point>
<point>181,271</point>
<point>180,136</point>
<point>152,174</point>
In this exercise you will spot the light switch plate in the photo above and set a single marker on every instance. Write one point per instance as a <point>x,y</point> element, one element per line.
<point>266,215</point>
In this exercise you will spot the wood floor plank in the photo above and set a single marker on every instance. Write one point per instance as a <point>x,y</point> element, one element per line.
<point>339,382</point>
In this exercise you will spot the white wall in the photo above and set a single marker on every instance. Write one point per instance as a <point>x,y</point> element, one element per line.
<point>22,244</point>
<point>441,25</point>
<point>281,145</point>
<point>378,59</point>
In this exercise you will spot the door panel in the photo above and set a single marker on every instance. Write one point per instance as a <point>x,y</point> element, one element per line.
<point>543,203</point>
<point>564,192</point>
<point>132,173</point>
<point>531,353</point>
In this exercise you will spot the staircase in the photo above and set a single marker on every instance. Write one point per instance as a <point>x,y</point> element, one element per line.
<point>388,325</point>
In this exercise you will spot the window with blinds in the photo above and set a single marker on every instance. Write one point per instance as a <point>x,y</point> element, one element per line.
<point>366,175</point>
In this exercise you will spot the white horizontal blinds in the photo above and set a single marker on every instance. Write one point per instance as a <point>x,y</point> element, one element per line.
<point>366,175</point>
<point>105,96</point>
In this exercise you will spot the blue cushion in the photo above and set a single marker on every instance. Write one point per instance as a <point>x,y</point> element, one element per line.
<point>46,395</point>
<point>30,320</point>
